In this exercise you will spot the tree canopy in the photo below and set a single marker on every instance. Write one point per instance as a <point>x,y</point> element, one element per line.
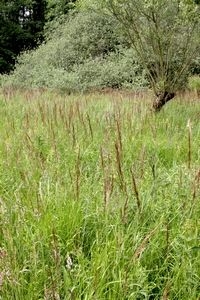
<point>21,26</point>
<point>22,23</point>
<point>56,8</point>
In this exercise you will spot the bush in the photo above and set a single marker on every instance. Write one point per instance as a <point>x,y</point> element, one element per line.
<point>117,70</point>
<point>86,52</point>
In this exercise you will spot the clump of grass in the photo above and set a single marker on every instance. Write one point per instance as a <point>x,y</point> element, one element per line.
<point>98,197</point>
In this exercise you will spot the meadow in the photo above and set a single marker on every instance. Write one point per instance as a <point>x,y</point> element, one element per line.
<point>99,197</point>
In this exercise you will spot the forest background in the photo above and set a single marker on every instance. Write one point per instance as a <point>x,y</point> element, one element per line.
<point>64,46</point>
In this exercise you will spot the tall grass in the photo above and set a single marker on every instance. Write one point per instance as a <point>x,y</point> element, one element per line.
<point>99,198</point>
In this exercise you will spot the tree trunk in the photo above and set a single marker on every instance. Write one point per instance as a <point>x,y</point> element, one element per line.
<point>161,100</point>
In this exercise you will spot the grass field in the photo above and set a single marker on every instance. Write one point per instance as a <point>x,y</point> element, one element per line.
<point>99,197</point>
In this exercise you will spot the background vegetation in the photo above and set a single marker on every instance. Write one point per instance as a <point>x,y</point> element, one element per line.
<point>82,50</point>
<point>21,27</point>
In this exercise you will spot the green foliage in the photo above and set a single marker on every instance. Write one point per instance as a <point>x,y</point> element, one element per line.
<point>58,8</point>
<point>164,34</point>
<point>85,52</point>
<point>84,36</point>
<point>21,26</point>
<point>72,223</point>
<point>22,23</point>
<point>90,48</point>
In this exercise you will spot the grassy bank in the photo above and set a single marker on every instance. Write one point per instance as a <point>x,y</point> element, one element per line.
<point>99,198</point>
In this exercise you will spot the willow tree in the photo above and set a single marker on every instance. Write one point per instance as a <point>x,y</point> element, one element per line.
<point>165,36</point>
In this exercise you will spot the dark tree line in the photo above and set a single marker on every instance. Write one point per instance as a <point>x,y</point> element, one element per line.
<point>22,26</point>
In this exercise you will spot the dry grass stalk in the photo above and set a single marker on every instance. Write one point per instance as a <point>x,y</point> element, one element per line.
<point>90,126</point>
<point>108,180</point>
<point>153,169</point>
<point>102,159</point>
<point>80,117</point>
<point>51,130</point>
<point>55,113</point>
<point>13,125</point>
<point>67,126</point>
<point>62,112</point>
<point>73,135</point>
<point>142,160</point>
<point>30,143</point>
<point>125,207</point>
<point>119,136</point>
<point>42,113</point>
<point>122,181</point>
<point>78,174</point>
<point>196,185</point>
<point>77,108</point>
<point>119,165</point>
<point>50,294</point>
<point>27,120</point>
<point>141,248</point>
<point>189,143</point>
<point>167,237</point>
<point>166,292</point>
<point>84,125</point>
<point>135,189</point>
<point>153,130</point>
<point>70,115</point>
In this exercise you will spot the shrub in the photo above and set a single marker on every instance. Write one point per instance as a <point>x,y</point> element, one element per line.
<point>85,52</point>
